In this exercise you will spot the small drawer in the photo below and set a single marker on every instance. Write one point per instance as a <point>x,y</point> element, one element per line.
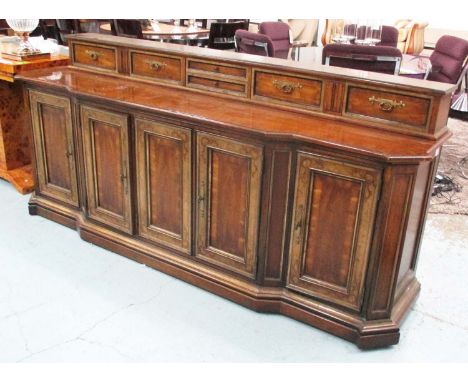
<point>215,68</point>
<point>295,90</point>
<point>216,85</point>
<point>155,66</point>
<point>392,107</point>
<point>95,56</point>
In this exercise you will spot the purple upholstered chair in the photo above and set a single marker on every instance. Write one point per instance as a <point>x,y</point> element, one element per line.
<point>254,43</point>
<point>279,35</point>
<point>381,59</point>
<point>449,59</point>
<point>389,36</point>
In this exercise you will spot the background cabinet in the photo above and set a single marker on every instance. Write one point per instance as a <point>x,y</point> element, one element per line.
<point>334,208</point>
<point>163,157</point>
<point>228,201</point>
<point>106,153</point>
<point>54,147</point>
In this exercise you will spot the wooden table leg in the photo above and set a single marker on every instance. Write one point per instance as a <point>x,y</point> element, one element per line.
<point>15,138</point>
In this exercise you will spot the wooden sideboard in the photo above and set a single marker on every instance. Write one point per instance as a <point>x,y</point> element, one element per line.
<point>289,189</point>
<point>15,137</point>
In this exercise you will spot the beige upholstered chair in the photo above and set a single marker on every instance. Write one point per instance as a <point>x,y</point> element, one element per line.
<point>327,32</point>
<point>303,30</point>
<point>410,36</point>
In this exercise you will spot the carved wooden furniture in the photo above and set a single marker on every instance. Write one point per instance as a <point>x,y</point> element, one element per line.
<point>15,136</point>
<point>286,188</point>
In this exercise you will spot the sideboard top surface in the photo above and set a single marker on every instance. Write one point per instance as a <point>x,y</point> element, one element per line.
<point>262,121</point>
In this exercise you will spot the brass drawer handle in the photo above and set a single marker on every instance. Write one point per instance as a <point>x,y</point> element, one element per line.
<point>156,65</point>
<point>286,87</point>
<point>387,104</point>
<point>93,54</point>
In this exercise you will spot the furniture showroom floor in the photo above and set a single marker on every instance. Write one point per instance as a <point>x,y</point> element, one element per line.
<point>65,300</point>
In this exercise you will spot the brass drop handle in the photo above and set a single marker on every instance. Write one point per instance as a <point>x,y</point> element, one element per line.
<point>156,65</point>
<point>387,104</point>
<point>69,152</point>
<point>286,87</point>
<point>124,177</point>
<point>201,199</point>
<point>93,54</point>
<point>299,223</point>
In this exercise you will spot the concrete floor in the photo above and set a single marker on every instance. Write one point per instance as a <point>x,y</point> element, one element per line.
<point>65,300</point>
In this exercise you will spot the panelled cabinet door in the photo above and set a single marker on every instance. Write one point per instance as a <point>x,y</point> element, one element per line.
<point>106,145</point>
<point>333,216</point>
<point>55,152</point>
<point>228,197</point>
<point>164,183</point>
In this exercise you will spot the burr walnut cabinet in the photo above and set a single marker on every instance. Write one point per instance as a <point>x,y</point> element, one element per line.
<point>15,137</point>
<point>295,190</point>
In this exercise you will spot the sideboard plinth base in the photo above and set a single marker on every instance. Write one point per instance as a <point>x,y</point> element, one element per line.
<point>365,334</point>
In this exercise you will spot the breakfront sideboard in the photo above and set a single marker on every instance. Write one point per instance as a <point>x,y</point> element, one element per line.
<point>289,189</point>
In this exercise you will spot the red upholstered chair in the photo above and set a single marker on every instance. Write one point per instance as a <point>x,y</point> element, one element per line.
<point>449,60</point>
<point>253,43</point>
<point>278,32</point>
<point>389,36</point>
<point>381,59</point>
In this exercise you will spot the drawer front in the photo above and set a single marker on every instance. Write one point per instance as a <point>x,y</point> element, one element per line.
<point>95,56</point>
<point>216,85</point>
<point>394,108</point>
<point>160,67</point>
<point>306,92</point>
<point>215,68</point>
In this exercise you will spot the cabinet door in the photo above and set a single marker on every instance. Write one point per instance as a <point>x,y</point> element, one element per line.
<point>105,143</point>
<point>228,196</point>
<point>332,226</point>
<point>164,183</point>
<point>55,151</point>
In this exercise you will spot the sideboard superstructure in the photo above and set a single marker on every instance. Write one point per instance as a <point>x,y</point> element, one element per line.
<point>301,191</point>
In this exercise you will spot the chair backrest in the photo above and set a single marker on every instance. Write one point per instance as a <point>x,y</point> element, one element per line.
<point>381,59</point>
<point>222,34</point>
<point>448,59</point>
<point>127,28</point>
<point>389,36</point>
<point>253,43</point>
<point>65,27</point>
<point>279,35</point>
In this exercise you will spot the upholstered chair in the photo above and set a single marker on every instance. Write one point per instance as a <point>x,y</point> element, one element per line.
<point>254,43</point>
<point>449,59</point>
<point>303,31</point>
<point>381,59</point>
<point>389,36</point>
<point>328,30</point>
<point>222,34</point>
<point>410,36</point>
<point>278,32</point>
